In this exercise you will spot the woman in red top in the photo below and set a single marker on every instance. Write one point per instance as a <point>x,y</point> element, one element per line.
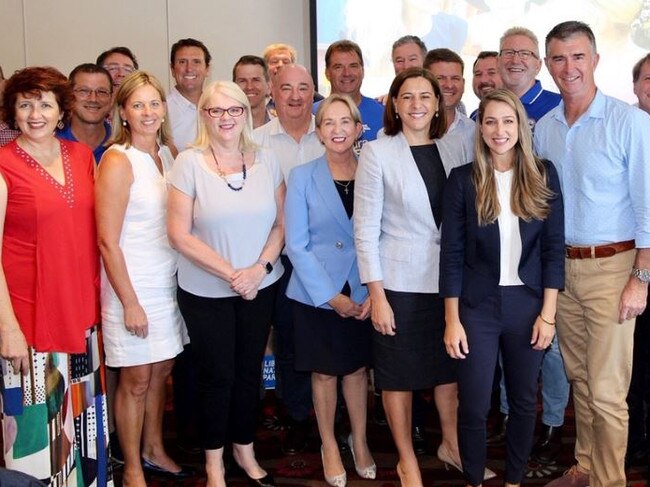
<point>54,420</point>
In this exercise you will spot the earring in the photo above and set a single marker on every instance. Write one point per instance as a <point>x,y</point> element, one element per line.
<point>396,115</point>
<point>436,114</point>
<point>163,120</point>
<point>60,125</point>
<point>124,123</point>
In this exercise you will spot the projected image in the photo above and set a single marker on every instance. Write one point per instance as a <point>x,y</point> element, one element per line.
<point>622,29</point>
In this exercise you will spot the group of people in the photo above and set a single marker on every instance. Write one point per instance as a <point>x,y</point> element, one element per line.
<point>407,237</point>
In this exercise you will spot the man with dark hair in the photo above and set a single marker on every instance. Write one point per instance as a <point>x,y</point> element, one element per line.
<point>485,76</point>
<point>601,149</point>
<point>447,67</point>
<point>344,70</point>
<point>190,64</point>
<point>93,92</point>
<point>641,81</point>
<point>252,76</point>
<point>119,62</point>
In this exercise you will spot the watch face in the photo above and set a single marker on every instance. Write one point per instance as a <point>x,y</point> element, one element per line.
<point>268,267</point>
<point>642,275</point>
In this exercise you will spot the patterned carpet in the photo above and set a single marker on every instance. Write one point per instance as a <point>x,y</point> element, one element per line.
<point>306,470</point>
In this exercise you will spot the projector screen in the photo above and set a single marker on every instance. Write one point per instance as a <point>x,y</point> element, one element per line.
<point>622,29</point>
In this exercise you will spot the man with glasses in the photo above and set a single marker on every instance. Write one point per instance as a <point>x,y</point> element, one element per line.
<point>93,92</point>
<point>119,62</point>
<point>519,64</point>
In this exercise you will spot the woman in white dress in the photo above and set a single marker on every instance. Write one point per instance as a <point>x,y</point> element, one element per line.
<point>143,328</point>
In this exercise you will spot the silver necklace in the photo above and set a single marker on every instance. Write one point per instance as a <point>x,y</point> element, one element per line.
<point>344,186</point>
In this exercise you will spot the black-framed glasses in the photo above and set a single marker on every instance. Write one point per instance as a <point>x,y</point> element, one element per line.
<point>524,54</point>
<point>86,93</point>
<point>217,112</point>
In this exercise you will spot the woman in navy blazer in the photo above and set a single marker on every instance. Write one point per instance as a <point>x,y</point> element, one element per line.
<point>502,264</point>
<point>331,307</point>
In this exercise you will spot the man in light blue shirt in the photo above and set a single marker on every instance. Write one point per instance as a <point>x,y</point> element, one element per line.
<point>601,149</point>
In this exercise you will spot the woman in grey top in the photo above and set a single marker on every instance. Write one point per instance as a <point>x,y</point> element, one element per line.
<point>225,219</point>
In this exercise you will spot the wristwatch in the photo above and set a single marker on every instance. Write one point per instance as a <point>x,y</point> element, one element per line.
<point>269,268</point>
<point>642,275</point>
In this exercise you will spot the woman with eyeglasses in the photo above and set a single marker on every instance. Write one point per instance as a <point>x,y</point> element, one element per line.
<point>142,325</point>
<point>226,220</point>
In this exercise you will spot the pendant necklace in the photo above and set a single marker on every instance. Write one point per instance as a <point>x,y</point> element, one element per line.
<point>344,186</point>
<point>222,174</point>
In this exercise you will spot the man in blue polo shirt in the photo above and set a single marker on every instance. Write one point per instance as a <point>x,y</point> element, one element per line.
<point>93,95</point>
<point>519,64</point>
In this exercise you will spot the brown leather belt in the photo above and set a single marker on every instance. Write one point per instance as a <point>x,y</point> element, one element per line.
<point>599,251</point>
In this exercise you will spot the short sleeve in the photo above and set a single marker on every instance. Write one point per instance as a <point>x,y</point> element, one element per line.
<point>182,176</point>
<point>268,157</point>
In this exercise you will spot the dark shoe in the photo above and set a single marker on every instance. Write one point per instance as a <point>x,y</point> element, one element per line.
<point>266,481</point>
<point>152,468</point>
<point>498,434</point>
<point>295,440</point>
<point>549,445</point>
<point>420,444</point>
<point>378,413</point>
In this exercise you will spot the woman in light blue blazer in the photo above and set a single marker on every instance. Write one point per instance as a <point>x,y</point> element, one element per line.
<point>331,307</point>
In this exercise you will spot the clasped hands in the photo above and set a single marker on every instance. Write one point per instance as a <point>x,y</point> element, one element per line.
<point>246,281</point>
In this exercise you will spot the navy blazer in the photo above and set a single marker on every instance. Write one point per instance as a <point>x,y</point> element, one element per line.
<point>319,238</point>
<point>470,254</point>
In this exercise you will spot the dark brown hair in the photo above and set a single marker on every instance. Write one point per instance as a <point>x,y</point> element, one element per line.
<point>32,82</point>
<point>393,124</point>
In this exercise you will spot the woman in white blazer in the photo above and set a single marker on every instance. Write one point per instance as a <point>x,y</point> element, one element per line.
<point>397,217</point>
<point>331,307</point>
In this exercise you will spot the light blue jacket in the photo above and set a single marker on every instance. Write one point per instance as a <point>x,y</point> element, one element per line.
<point>319,238</point>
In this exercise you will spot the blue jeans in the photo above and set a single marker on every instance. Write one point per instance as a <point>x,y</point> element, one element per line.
<point>555,387</point>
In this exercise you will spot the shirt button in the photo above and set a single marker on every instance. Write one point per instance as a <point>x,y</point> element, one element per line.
<point>339,245</point>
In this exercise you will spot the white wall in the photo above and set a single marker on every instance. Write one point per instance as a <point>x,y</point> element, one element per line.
<point>65,33</point>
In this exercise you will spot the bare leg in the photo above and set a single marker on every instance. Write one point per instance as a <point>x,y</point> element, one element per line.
<point>244,455</point>
<point>355,391</point>
<point>446,397</point>
<point>152,432</point>
<point>214,468</point>
<point>324,396</point>
<point>130,398</point>
<point>398,412</point>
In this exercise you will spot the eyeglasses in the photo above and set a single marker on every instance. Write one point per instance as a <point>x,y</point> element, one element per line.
<point>86,93</point>
<point>217,112</point>
<point>114,68</point>
<point>524,54</point>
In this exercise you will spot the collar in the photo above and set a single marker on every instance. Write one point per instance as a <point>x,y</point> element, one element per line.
<point>596,109</point>
<point>276,127</point>
<point>533,93</point>
<point>178,97</point>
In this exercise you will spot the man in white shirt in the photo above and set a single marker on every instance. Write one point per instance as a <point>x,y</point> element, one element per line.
<point>190,65</point>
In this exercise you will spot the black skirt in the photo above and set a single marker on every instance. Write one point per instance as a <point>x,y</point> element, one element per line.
<point>329,344</point>
<point>415,357</point>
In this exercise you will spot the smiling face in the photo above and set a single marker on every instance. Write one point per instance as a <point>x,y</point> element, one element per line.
<point>250,78</point>
<point>36,117</point>
<point>189,69</point>
<point>572,62</point>
<point>499,129</point>
<point>519,74</point>
<point>416,104</point>
<point>407,56</point>
<point>293,93</point>
<point>486,76</point>
<point>119,66</point>
<point>642,87</point>
<point>450,78</point>
<point>92,97</point>
<point>337,129</point>
<point>144,111</point>
<point>226,127</point>
<point>345,73</point>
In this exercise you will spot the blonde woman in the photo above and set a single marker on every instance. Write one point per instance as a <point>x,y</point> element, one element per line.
<point>143,328</point>
<point>226,220</point>
<point>502,263</point>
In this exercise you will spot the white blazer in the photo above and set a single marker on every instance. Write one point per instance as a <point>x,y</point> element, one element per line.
<point>395,234</point>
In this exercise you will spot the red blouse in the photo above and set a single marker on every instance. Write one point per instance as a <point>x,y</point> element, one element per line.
<point>49,247</point>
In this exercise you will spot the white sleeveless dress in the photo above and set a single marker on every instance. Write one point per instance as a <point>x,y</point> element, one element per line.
<point>151,264</point>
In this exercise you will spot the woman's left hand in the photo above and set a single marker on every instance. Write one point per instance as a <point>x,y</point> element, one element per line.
<point>246,281</point>
<point>366,308</point>
<point>543,334</point>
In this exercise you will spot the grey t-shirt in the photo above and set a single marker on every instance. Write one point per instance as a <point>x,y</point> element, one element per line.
<point>236,224</point>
